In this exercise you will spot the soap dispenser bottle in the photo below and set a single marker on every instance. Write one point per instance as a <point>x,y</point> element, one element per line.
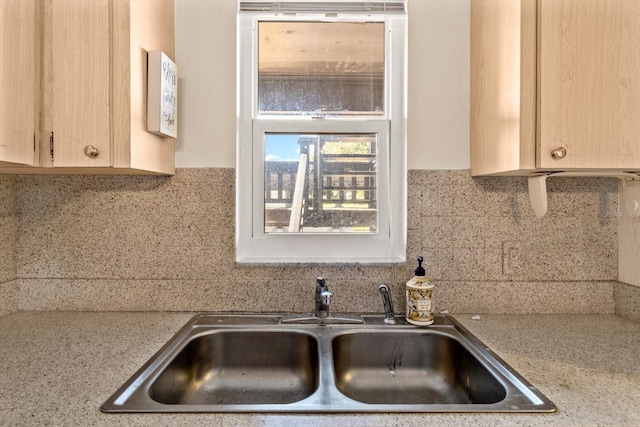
<point>419,298</point>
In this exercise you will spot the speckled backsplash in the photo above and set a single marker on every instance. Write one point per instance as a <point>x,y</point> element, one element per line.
<point>167,243</point>
<point>8,238</point>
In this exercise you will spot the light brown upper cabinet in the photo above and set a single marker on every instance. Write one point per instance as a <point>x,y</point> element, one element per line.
<point>555,86</point>
<point>18,82</point>
<point>94,86</point>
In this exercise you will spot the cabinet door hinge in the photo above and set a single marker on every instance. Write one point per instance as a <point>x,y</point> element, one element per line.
<point>51,145</point>
<point>34,142</point>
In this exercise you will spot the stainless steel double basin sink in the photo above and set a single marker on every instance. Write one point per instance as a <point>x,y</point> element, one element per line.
<point>254,363</point>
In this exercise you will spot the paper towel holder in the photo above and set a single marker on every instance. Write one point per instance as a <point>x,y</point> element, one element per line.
<point>538,184</point>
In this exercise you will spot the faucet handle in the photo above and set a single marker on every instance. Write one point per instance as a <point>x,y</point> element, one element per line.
<point>323,298</point>
<point>323,291</point>
<point>326,297</point>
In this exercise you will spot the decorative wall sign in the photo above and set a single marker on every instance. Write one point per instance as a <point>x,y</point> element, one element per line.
<point>162,95</point>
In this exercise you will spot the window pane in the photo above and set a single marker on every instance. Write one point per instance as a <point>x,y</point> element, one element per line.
<point>322,183</point>
<point>321,68</point>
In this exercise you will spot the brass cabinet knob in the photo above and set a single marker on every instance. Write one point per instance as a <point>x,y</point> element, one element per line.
<point>559,153</point>
<point>91,151</point>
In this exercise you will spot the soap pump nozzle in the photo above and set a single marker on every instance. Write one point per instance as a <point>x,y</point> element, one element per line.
<point>419,270</point>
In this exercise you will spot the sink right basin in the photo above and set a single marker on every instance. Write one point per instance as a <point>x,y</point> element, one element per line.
<point>411,368</point>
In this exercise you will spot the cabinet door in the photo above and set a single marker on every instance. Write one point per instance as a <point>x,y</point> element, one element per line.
<point>589,83</point>
<point>503,86</point>
<point>80,67</point>
<point>17,81</point>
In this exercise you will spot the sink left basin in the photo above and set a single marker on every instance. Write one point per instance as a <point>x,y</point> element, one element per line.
<point>213,362</point>
<point>240,367</point>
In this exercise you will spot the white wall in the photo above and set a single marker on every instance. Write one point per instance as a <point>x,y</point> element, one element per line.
<point>205,55</point>
<point>438,104</point>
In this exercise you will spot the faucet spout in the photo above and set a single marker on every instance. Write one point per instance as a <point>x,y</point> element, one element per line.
<point>387,302</point>
<point>323,298</point>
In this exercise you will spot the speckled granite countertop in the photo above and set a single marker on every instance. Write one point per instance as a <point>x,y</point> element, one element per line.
<point>57,368</point>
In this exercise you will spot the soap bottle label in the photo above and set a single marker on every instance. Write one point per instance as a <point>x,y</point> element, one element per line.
<point>420,306</point>
<point>423,305</point>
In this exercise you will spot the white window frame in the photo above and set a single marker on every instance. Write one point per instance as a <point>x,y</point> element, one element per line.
<point>388,244</point>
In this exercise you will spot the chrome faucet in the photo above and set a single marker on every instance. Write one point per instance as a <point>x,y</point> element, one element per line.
<point>387,302</point>
<point>323,298</point>
<point>321,316</point>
